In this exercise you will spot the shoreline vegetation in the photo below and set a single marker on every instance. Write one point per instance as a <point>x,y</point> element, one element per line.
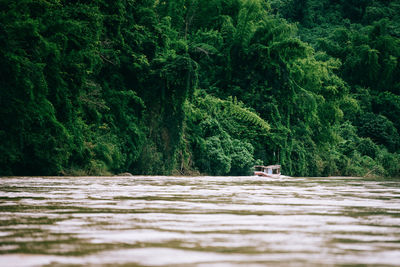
<point>190,87</point>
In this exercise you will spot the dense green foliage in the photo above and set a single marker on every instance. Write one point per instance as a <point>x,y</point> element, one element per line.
<point>199,86</point>
<point>364,37</point>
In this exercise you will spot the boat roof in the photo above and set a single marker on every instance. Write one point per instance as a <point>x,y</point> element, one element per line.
<point>268,167</point>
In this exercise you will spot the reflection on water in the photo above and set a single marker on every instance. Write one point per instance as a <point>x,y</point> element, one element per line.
<point>200,221</point>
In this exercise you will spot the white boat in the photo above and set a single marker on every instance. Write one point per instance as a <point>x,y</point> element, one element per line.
<point>273,171</point>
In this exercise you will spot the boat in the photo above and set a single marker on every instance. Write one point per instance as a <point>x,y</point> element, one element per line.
<point>272,171</point>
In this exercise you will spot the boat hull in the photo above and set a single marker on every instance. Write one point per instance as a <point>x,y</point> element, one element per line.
<point>266,174</point>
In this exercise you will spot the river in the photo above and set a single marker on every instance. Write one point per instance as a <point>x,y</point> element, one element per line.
<point>199,221</point>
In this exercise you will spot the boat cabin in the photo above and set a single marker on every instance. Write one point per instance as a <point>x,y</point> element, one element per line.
<point>268,171</point>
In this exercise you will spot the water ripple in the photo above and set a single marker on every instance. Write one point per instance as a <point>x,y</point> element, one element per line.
<point>199,221</point>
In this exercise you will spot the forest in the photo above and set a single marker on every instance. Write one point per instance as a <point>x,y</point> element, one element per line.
<point>199,87</point>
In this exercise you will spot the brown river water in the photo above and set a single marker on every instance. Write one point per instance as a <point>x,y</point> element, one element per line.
<point>199,221</point>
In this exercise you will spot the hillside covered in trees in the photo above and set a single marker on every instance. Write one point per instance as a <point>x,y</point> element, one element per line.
<point>199,86</point>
